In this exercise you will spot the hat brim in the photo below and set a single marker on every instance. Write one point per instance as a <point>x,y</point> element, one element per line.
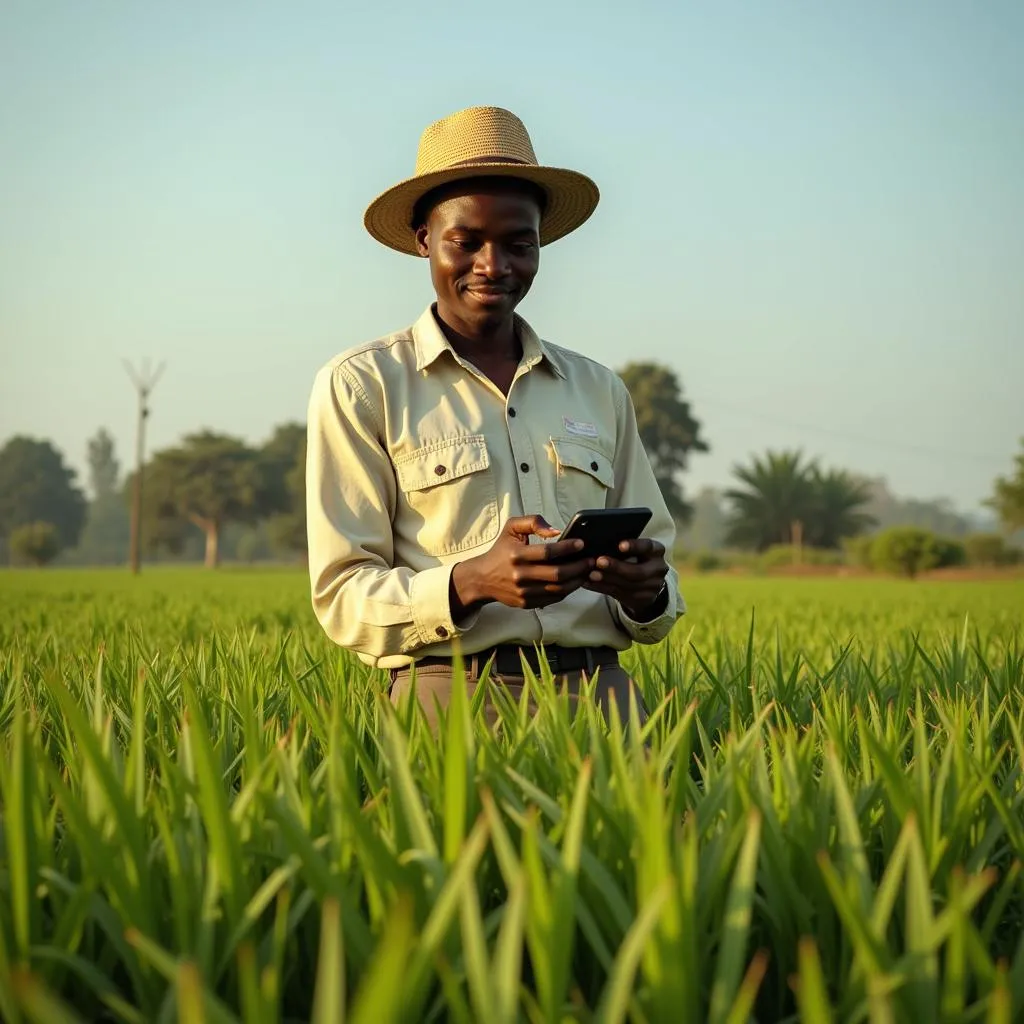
<point>572,198</point>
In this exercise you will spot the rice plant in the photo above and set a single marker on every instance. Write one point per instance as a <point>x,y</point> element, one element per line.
<point>209,814</point>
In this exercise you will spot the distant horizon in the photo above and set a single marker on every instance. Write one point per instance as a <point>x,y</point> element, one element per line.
<point>126,465</point>
<point>814,216</point>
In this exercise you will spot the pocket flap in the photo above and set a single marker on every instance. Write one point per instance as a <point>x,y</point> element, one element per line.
<point>584,457</point>
<point>442,461</point>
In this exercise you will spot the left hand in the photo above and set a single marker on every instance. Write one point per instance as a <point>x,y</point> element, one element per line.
<point>634,578</point>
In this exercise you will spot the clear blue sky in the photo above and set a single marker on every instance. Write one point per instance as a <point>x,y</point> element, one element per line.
<point>813,212</point>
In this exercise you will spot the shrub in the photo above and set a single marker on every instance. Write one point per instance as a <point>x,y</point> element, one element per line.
<point>906,551</point>
<point>35,543</point>
<point>707,561</point>
<point>857,551</point>
<point>786,554</point>
<point>990,549</point>
<point>951,552</point>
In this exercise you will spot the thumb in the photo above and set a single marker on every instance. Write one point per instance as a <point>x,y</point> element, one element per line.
<point>525,526</point>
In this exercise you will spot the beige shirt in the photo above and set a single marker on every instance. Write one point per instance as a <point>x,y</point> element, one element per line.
<point>415,460</point>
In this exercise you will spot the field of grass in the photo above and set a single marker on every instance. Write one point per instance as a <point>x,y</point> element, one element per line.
<point>210,814</point>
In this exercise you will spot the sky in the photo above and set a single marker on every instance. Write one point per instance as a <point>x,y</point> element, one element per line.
<point>813,213</point>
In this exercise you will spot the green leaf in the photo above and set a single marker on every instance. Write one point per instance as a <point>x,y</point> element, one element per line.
<point>811,991</point>
<point>329,991</point>
<point>617,994</point>
<point>738,909</point>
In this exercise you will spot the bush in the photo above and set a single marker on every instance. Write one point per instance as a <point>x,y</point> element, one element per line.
<point>906,551</point>
<point>858,551</point>
<point>786,554</point>
<point>707,561</point>
<point>35,543</point>
<point>951,552</point>
<point>990,549</point>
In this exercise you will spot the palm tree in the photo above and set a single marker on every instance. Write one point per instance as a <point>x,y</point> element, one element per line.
<point>788,501</point>
<point>838,500</point>
<point>776,503</point>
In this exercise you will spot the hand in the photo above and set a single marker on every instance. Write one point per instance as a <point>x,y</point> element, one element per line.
<point>635,583</point>
<point>517,573</point>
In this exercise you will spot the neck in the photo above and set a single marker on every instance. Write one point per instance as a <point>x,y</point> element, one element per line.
<point>492,341</point>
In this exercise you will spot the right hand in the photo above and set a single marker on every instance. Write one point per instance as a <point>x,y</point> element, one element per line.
<point>519,574</point>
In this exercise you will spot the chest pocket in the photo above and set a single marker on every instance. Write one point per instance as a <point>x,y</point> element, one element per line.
<point>450,496</point>
<point>584,476</point>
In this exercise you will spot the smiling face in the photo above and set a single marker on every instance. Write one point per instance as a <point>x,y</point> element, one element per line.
<point>482,239</point>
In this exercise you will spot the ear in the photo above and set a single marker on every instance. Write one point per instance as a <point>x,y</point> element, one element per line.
<point>422,234</point>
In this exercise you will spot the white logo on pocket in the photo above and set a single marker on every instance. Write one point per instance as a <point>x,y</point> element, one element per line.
<point>579,428</point>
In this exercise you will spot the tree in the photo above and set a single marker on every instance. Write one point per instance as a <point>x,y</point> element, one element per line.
<point>1007,500</point>
<point>36,543</point>
<point>106,535</point>
<point>788,501</point>
<point>103,466</point>
<point>209,480</point>
<point>707,526</point>
<point>36,486</point>
<point>936,514</point>
<point>775,504</point>
<point>667,428</point>
<point>283,464</point>
<point>837,511</point>
<point>990,549</point>
<point>905,550</point>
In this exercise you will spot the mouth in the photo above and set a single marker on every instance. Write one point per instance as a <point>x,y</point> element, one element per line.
<point>489,296</point>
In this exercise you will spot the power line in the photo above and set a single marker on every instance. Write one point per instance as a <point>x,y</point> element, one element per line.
<point>918,449</point>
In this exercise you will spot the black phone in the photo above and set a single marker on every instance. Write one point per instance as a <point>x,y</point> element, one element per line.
<point>603,529</point>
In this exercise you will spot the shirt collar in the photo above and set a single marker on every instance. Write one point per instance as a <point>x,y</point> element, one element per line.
<point>430,343</point>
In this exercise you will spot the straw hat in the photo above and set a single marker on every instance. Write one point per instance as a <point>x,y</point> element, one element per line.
<point>479,141</point>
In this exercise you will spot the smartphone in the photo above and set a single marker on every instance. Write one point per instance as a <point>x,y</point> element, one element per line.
<point>603,529</point>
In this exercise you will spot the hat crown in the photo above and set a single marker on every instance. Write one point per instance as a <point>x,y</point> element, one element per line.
<point>474,135</point>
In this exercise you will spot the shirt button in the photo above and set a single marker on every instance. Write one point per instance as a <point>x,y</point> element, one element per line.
<point>524,466</point>
<point>441,632</point>
<point>511,412</point>
<point>593,465</point>
<point>440,470</point>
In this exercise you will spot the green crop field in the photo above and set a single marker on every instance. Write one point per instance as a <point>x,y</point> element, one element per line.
<point>210,814</point>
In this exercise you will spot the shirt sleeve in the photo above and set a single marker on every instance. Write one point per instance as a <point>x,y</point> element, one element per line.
<point>363,602</point>
<point>635,484</point>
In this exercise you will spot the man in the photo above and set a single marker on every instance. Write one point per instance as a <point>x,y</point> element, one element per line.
<point>443,458</point>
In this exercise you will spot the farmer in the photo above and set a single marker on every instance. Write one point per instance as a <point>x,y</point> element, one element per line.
<point>443,458</point>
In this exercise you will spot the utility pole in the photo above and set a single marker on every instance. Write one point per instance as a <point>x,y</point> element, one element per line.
<point>144,383</point>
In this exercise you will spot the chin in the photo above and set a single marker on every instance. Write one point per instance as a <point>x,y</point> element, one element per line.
<point>487,316</point>
<point>493,321</point>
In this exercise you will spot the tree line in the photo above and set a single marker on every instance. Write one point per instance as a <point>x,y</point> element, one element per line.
<point>212,484</point>
<point>192,493</point>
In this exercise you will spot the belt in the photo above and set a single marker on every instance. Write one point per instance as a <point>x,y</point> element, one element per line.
<point>507,659</point>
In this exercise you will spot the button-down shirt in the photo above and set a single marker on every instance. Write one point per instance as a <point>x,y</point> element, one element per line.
<point>415,461</point>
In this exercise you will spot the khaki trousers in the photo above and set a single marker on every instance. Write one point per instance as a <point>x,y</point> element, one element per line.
<point>434,683</point>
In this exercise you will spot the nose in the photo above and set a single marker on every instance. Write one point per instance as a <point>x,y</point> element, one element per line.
<point>491,261</point>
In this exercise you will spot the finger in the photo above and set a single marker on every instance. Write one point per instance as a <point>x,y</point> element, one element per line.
<point>637,595</point>
<point>636,573</point>
<point>619,584</point>
<point>527,526</point>
<point>643,548</point>
<point>555,551</point>
<point>559,572</point>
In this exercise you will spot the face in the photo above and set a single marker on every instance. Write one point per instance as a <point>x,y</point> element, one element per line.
<point>484,252</point>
